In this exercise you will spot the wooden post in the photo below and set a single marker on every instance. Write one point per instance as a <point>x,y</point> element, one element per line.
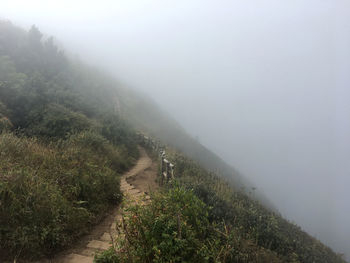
<point>167,168</point>
<point>167,172</point>
<point>163,169</point>
<point>172,171</point>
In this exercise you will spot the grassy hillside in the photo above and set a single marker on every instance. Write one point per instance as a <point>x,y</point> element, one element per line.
<point>255,226</point>
<point>146,116</point>
<point>200,217</point>
<point>62,146</point>
<point>66,139</point>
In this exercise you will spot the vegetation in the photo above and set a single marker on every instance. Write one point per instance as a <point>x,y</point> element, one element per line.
<point>177,228</point>
<point>200,217</point>
<point>259,226</point>
<point>144,115</point>
<point>62,146</point>
<point>50,193</point>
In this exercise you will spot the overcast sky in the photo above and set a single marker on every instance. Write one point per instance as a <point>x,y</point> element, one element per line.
<point>263,83</point>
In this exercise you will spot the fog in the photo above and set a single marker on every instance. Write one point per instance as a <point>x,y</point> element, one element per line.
<point>263,83</point>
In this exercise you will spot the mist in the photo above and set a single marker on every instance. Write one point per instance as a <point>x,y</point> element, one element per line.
<point>264,84</point>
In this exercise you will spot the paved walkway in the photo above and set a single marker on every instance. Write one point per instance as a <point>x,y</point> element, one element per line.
<point>86,254</point>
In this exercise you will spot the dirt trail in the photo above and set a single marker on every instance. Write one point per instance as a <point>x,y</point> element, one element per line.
<point>100,237</point>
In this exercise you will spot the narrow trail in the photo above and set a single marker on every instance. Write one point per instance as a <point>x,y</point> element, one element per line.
<point>100,238</point>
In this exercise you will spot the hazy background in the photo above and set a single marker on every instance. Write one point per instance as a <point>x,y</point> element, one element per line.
<point>263,83</point>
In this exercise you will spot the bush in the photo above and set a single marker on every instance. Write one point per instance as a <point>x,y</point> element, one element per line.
<point>64,175</point>
<point>263,233</point>
<point>5,124</point>
<point>108,256</point>
<point>117,157</point>
<point>50,194</point>
<point>171,229</point>
<point>56,121</point>
<point>34,215</point>
<point>175,227</point>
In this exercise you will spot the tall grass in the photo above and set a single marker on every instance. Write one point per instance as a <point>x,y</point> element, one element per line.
<point>258,226</point>
<point>50,194</point>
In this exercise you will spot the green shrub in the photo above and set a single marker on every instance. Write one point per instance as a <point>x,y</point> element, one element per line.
<point>117,156</point>
<point>5,124</point>
<point>264,233</point>
<point>170,230</point>
<point>50,194</point>
<point>119,133</point>
<point>3,110</point>
<point>34,216</point>
<point>175,227</point>
<point>108,256</point>
<point>63,176</point>
<point>56,121</point>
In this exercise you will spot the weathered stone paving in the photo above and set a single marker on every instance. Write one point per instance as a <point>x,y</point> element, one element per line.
<point>86,254</point>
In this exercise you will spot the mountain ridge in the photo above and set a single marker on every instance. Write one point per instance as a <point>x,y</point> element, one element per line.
<point>69,132</point>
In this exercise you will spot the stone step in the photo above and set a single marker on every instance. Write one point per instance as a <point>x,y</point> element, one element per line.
<point>99,245</point>
<point>89,252</point>
<point>133,191</point>
<point>126,188</point>
<point>127,191</point>
<point>106,237</point>
<point>125,185</point>
<point>76,258</point>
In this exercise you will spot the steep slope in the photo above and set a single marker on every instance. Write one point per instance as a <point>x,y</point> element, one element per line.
<point>144,114</point>
<point>105,233</point>
<point>66,140</point>
<point>62,146</point>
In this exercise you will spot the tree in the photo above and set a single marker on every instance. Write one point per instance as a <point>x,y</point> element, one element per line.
<point>34,35</point>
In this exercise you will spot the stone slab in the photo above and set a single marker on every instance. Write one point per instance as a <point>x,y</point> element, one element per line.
<point>100,245</point>
<point>106,237</point>
<point>75,258</point>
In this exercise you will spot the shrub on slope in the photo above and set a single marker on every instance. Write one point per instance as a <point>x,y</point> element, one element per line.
<point>60,166</point>
<point>261,227</point>
<point>175,227</point>
<point>51,193</point>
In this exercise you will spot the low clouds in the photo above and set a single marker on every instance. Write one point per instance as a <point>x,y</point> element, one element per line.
<point>263,83</point>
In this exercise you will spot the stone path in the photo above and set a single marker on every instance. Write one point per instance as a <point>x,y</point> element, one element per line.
<point>86,254</point>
